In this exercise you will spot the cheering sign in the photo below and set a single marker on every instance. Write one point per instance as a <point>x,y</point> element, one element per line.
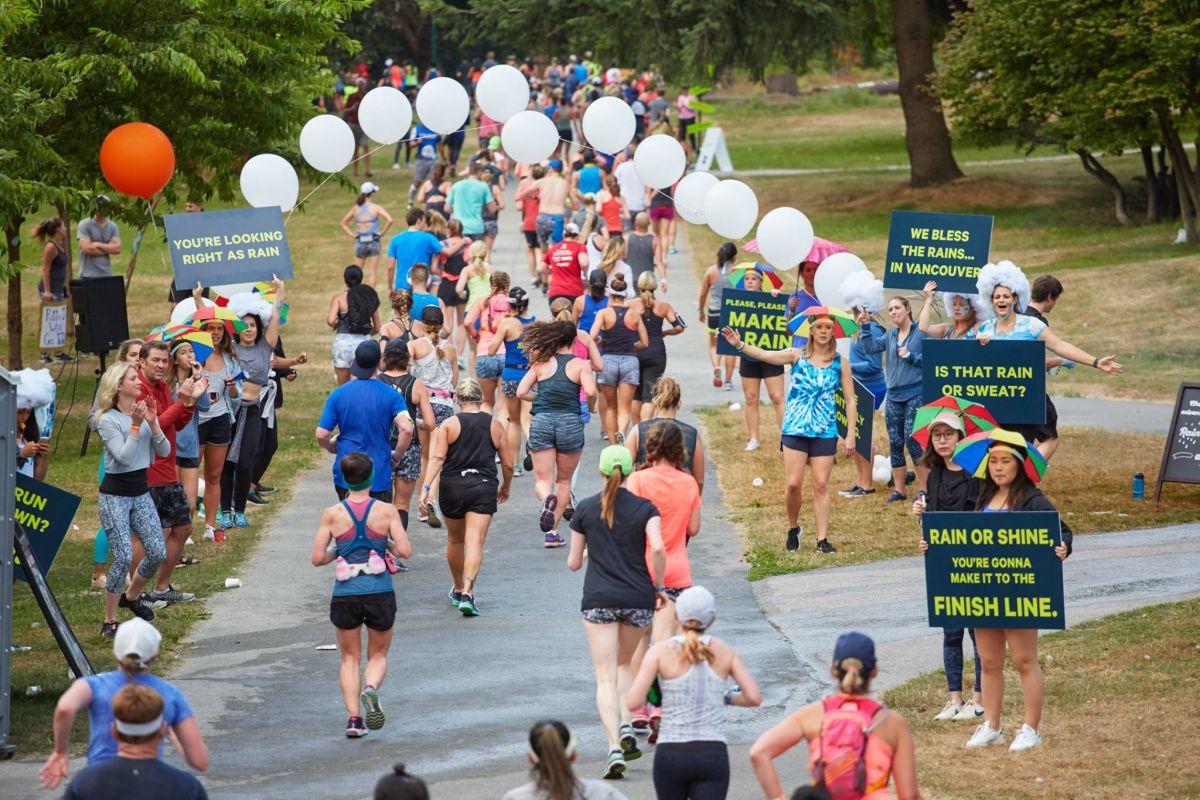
<point>864,427</point>
<point>241,245</point>
<point>45,513</point>
<point>758,317</point>
<point>993,570</point>
<point>1008,377</point>
<point>926,246</point>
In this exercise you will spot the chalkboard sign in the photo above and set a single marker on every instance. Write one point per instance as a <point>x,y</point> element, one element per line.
<point>1181,453</point>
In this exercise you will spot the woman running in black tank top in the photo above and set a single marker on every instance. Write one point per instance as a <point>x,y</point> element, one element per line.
<point>462,461</point>
<point>652,361</point>
<point>622,334</point>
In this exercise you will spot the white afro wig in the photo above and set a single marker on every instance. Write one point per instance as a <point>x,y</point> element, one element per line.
<point>1005,274</point>
<point>245,303</point>
<point>862,290</point>
<point>36,388</point>
<point>983,309</point>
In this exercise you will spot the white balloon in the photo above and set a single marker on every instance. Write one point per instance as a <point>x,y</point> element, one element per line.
<point>502,92</point>
<point>230,289</point>
<point>185,308</point>
<point>832,272</point>
<point>529,137</point>
<point>730,208</point>
<point>443,105</point>
<point>659,161</point>
<point>608,125</point>
<point>385,115</point>
<point>690,194</point>
<point>269,180</point>
<point>785,236</point>
<point>327,143</point>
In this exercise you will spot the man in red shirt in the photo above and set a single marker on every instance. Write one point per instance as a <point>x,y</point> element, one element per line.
<point>568,263</point>
<point>174,509</point>
<point>529,213</point>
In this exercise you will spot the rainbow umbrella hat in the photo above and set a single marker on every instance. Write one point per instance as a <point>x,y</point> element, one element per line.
<point>843,322</point>
<point>737,275</point>
<point>975,417</point>
<point>233,323</point>
<point>972,453</point>
<point>200,340</point>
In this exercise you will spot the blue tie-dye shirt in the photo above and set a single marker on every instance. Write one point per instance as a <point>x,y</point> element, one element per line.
<point>809,408</point>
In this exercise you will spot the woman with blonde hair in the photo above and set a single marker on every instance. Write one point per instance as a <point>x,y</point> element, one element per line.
<point>665,403</point>
<point>809,429</point>
<point>401,326</point>
<point>693,670</point>
<point>215,427</point>
<point>482,321</point>
<point>474,284</point>
<point>612,262</point>
<point>652,360</point>
<point>887,751</point>
<point>621,591</point>
<point>551,753</point>
<point>435,364</point>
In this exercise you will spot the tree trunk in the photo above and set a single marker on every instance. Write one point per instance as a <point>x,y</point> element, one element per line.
<point>1185,178</point>
<point>783,84</point>
<point>1151,183</point>
<point>1093,167</point>
<point>15,323</point>
<point>926,137</point>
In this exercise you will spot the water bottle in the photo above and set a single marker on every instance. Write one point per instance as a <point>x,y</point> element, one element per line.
<point>1139,486</point>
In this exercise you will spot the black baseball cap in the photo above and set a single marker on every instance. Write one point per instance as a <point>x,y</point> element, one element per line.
<point>432,315</point>
<point>366,359</point>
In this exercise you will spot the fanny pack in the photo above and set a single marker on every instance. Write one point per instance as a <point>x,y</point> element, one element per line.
<point>367,238</point>
<point>374,565</point>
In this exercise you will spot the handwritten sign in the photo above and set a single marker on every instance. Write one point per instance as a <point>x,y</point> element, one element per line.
<point>1007,377</point>
<point>993,570</point>
<point>1181,451</point>
<point>928,246</point>
<point>45,512</point>
<point>864,427</point>
<point>760,319</point>
<point>241,245</point>
<point>52,330</point>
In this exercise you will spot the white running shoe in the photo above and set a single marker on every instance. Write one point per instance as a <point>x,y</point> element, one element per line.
<point>985,736</point>
<point>209,534</point>
<point>1025,739</point>
<point>969,710</point>
<point>751,445</point>
<point>949,712</point>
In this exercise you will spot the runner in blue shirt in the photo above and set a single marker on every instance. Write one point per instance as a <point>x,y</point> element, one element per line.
<point>415,245</point>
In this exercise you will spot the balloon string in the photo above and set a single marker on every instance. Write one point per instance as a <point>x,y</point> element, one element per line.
<point>162,258</point>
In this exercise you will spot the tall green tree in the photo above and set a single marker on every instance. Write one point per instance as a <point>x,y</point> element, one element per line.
<point>224,79</point>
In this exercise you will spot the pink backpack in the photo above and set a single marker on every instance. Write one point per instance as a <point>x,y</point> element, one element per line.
<point>841,762</point>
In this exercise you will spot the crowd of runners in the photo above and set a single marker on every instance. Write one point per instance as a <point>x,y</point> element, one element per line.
<point>449,386</point>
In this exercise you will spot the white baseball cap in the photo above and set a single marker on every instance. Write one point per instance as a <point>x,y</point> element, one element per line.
<point>136,637</point>
<point>696,603</point>
<point>368,188</point>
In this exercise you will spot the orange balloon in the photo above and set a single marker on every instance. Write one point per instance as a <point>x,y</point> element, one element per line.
<point>137,159</point>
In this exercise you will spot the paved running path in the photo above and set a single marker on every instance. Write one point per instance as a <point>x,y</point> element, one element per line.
<point>461,694</point>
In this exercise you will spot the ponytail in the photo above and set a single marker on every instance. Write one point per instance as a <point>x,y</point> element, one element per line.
<point>362,198</point>
<point>647,284</point>
<point>132,664</point>
<point>608,498</point>
<point>667,393</point>
<point>851,676</point>
<point>435,335</point>
<point>551,748</point>
<point>695,650</point>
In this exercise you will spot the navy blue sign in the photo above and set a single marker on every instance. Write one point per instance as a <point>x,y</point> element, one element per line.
<point>1007,377</point>
<point>994,570</point>
<point>927,246</point>
<point>760,319</point>
<point>864,429</point>
<point>241,245</point>
<point>45,513</point>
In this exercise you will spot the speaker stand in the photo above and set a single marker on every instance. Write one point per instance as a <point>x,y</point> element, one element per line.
<point>87,429</point>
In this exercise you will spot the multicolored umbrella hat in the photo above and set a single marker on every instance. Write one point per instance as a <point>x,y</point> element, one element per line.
<point>200,340</point>
<point>972,453</point>
<point>737,275</point>
<point>268,292</point>
<point>975,417</point>
<point>233,323</point>
<point>843,322</point>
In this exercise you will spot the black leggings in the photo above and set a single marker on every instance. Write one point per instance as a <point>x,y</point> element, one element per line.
<point>269,446</point>
<point>651,366</point>
<point>235,478</point>
<point>691,771</point>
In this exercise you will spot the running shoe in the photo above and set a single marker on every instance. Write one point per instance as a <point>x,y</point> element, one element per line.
<point>655,724</point>
<point>108,629</point>
<point>371,708</point>
<point>355,729</point>
<point>751,446</point>
<point>224,519</point>
<point>793,538</point>
<point>672,250</point>
<point>546,519</point>
<point>239,520</point>
<point>728,386</point>
<point>210,533</point>
<point>629,743</point>
<point>615,767</point>
<point>641,719</point>
<point>151,602</point>
<point>257,498</point>
<point>569,511</point>
<point>264,489</point>
<point>985,736</point>
<point>620,438</point>
<point>455,596</point>
<point>950,711</point>
<point>172,595</point>
<point>45,359</point>
<point>63,357</point>
<point>466,604</point>
<point>969,710</point>
<point>1026,739</point>
<point>851,492</point>
<point>823,546</point>
<point>716,379</point>
<point>138,608</point>
<point>517,471</point>
<point>895,497</point>
<point>431,516</point>
<point>554,540</point>
<point>200,509</point>
<point>604,436</point>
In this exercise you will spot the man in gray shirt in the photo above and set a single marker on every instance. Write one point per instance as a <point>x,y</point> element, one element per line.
<point>98,239</point>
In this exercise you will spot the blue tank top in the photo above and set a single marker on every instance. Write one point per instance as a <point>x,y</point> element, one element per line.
<point>356,550</point>
<point>515,358</point>
<point>590,180</point>
<point>590,307</point>
<point>364,215</point>
<point>809,409</point>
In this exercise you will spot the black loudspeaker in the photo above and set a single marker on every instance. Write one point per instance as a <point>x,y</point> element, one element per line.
<point>101,319</point>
